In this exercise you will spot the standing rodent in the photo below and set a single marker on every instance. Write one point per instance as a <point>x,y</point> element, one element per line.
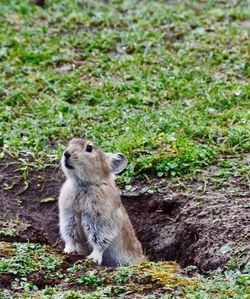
<point>91,211</point>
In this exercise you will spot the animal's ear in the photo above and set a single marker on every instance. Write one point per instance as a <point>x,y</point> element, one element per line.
<point>117,161</point>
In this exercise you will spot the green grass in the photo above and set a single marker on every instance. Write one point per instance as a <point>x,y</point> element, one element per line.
<point>90,279</point>
<point>9,228</point>
<point>231,284</point>
<point>81,280</point>
<point>165,83</point>
<point>29,258</point>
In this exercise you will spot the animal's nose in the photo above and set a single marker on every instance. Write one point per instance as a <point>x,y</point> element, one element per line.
<point>67,155</point>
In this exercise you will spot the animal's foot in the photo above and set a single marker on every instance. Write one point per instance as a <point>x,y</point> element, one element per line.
<point>95,256</point>
<point>69,248</point>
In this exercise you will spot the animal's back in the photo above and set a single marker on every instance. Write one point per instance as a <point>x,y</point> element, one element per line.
<point>125,248</point>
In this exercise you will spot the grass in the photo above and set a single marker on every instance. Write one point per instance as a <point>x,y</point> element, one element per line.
<point>90,279</point>
<point>231,284</point>
<point>9,228</point>
<point>81,280</point>
<point>165,83</point>
<point>29,258</point>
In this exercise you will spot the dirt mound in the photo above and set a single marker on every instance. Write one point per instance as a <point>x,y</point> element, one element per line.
<point>193,230</point>
<point>202,230</point>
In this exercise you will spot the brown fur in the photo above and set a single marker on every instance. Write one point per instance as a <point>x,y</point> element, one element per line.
<point>90,191</point>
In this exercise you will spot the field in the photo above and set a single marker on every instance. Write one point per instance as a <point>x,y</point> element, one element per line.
<point>167,84</point>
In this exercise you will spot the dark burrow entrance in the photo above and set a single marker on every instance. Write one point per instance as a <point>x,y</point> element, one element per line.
<point>187,228</point>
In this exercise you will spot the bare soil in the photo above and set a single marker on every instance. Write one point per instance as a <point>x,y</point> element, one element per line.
<point>191,228</point>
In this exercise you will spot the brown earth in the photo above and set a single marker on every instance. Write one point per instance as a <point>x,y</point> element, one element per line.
<point>204,228</point>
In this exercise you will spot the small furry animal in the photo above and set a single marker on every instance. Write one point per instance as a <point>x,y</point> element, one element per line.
<point>90,209</point>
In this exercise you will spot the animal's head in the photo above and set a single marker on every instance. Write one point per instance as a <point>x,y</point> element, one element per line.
<point>84,160</point>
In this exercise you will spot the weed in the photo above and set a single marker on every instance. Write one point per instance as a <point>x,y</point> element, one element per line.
<point>23,284</point>
<point>123,275</point>
<point>90,279</point>
<point>29,258</point>
<point>115,291</point>
<point>10,227</point>
<point>231,284</point>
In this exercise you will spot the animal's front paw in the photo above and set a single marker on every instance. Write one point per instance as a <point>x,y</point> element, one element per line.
<point>69,248</point>
<point>95,256</point>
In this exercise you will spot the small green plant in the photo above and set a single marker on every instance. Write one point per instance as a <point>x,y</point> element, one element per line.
<point>10,227</point>
<point>23,284</point>
<point>123,275</point>
<point>90,279</point>
<point>115,291</point>
<point>231,284</point>
<point>226,164</point>
<point>8,232</point>
<point>76,267</point>
<point>6,294</point>
<point>29,258</point>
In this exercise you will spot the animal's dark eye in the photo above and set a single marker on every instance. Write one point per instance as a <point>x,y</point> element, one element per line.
<point>89,148</point>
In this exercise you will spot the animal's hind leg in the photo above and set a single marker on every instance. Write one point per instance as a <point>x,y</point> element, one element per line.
<point>81,249</point>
